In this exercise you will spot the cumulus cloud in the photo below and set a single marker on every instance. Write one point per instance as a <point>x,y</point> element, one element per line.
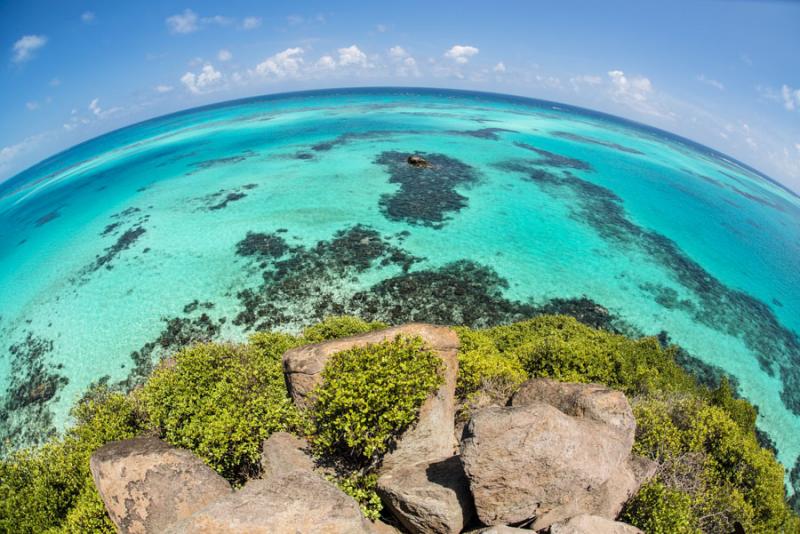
<point>94,106</point>
<point>185,22</point>
<point>461,53</point>
<point>163,88</point>
<point>325,63</point>
<point>352,55</point>
<point>710,81</point>
<point>26,46</point>
<point>791,97</point>
<point>500,67</point>
<point>224,55</point>
<point>251,23</point>
<point>636,88</point>
<point>283,64</point>
<point>397,52</point>
<point>88,17</point>
<point>405,64</point>
<point>206,80</point>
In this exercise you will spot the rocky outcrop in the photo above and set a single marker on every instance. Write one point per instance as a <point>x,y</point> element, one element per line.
<point>417,161</point>
<point>592,524</point>
<point>147,484</point>
<point>284,453</point>
<point>430,496</point>
<point>558,451</point>
<point>297,502</point>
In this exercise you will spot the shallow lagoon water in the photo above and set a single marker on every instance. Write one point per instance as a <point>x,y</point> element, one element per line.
<point>275,211</point>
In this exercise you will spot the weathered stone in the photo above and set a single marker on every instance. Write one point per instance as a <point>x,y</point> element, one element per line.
<point>523,461</point>
<point>297,502</point>
<point>428,496</point>
<point>589,401</point>
<point>500,529</point>
<point>147,484</point>
<point>592,524</point>
<point>417,161</point>
<point>284,453</point>
<point>605,500</point>
<point>432,436</point>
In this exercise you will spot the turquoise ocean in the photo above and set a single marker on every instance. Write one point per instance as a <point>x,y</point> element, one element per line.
<point>275,211</point>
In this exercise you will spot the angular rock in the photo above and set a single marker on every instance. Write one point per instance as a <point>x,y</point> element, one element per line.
<point>607,499</point>
<point>283,453</point>
<point>592,524</point>
<point>297,502</point>
<point>428,496</point>
<point>430,437</point>
<point>523,461</point>
<point>589,401</point>
<point>147,484</point>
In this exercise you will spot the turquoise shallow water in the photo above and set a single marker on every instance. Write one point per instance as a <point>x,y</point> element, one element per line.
<point>275,211</point>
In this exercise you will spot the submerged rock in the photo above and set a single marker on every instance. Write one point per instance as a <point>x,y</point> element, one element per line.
<point>417,161</point>
<point>147,485</point>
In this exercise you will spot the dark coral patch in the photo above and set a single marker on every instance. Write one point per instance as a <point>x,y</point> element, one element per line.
<point>262,245</point>
<point>25,418</point>
<point>427,194</point>
<point>589,140</point>
<point>483,133</point>
<point>715,305</point>
<point>220,199</point>
<point>44,219</point>
<point>552,159</point>
<point>124,242</point>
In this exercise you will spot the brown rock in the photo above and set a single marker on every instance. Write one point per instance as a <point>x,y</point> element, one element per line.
<point>147,484</point>
<point>592,524</point>
<point>523,461</point>
<point>417,161</point>
<point>428,496</point>
<point>284,453</point>
<point>295,503</point>
<point>588,401</point>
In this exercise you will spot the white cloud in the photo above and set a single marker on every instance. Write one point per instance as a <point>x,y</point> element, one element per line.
<point>500,67</point>
<point>185,22</point>
<point>325,63</point>
<point>224,55</point>
<point>283,64</point>
<point>636,88</point>
<point>163,88</point>
<point>206,80</point>
<point>88,17</point>
<point>397,52</point>
<point>352,55</point>
<point>94,106</point>
<point>461,53</point>
<point>589,80</point>
<point>381,28</point>
<point>26,46</point>
<point>791,97</point>
<point>12,153</point>
<point>251,23</point>
<point>32,105</point>
<point>710,81</point>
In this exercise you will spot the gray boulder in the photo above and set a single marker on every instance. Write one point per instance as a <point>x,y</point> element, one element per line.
<point>523,461</point>
<point>592,524</point>
<point>147,484</point>
<point>297,502</point>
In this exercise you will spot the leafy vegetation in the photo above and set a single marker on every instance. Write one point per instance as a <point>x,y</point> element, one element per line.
<point>222,400</point>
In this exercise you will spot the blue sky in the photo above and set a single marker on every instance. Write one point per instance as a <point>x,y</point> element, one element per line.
<point>723,73</point>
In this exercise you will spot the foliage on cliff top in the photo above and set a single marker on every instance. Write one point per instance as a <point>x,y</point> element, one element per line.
<point>221,400</point>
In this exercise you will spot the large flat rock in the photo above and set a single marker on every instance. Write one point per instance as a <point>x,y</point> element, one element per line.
<point>300,502</point>
<point>592,524</point>
<point>147,484</point>
<point>523,461</point>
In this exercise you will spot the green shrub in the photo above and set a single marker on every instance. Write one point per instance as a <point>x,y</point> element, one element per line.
<point>370,394</point>
<point>51,488</point>
<point>481,366</point>
<point>338,326</point>
<point>362,488</point>
<point>732,480</point>
<point>657,509</point>
<point>222,400</point>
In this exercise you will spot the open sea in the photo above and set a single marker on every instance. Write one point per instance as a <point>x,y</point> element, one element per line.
<point>273,212</point>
